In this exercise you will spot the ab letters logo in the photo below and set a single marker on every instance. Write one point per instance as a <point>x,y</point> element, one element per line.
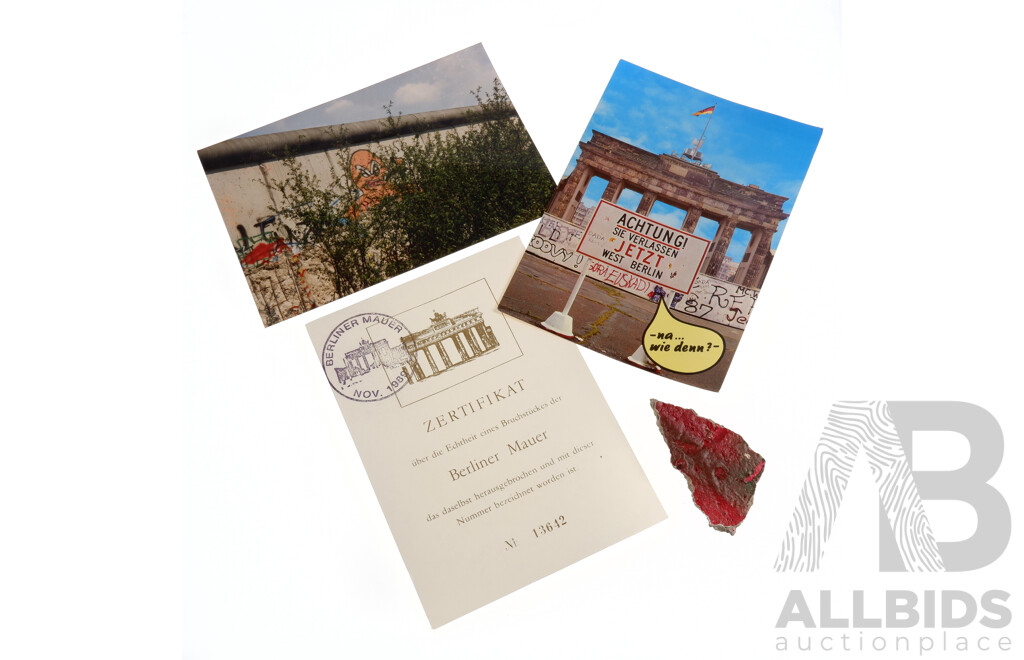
<point>883,430</point>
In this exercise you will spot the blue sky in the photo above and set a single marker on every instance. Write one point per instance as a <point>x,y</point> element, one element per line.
<point>444,83</point>
<point>742,144</point>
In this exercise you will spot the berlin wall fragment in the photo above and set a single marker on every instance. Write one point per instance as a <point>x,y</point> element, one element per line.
<point>720,467</point>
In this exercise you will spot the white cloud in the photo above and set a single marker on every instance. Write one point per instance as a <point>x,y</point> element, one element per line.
<point>418,92</point>
<point>337,105</point>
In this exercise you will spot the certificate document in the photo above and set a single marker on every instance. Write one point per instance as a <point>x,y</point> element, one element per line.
<point>490,448</point>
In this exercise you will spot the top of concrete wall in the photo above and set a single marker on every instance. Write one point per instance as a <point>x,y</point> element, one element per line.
<point>261,148</point>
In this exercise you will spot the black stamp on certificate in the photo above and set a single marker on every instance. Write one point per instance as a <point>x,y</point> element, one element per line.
<point>362,368</point>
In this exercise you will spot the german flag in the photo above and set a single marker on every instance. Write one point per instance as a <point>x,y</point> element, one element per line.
<point>705,111</point>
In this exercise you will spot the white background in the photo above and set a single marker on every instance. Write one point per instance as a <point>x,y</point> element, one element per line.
<point>170,465</point>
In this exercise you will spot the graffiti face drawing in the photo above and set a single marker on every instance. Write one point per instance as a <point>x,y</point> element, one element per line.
<point>368,174</point>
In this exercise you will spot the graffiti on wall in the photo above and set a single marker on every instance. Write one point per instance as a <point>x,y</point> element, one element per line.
<point>621,279</point>
<point>556,241</point>
<point>710,298</point>
<point>272,262</point>
<point>719,301</point>
<point>370,176</point>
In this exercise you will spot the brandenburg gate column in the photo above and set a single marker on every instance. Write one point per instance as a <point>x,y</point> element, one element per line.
<point>483,336</point>
<point>430,360</point>
<point>461,348</point>
<point>468,334</point>
<point>758,260</point>
<point>692,216</point>
<point>646,202</point>
<point>444,355</point>
<point>417,370</point>
<point>614,189</point>
<point>719,246</point>
<point>563,204</point>
<point>756,236</point>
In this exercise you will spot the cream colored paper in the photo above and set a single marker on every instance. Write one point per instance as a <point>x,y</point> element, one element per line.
<point>502,467</point>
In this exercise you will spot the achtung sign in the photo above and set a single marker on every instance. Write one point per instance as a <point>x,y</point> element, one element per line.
<point>634,243</point>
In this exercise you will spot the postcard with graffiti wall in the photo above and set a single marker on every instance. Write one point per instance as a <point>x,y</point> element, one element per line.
<point>349,193</point>
<point>655,245</point>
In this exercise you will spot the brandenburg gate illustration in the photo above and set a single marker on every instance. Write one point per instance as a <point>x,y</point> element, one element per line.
<point>466,333</point>
<point>695,189</point>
